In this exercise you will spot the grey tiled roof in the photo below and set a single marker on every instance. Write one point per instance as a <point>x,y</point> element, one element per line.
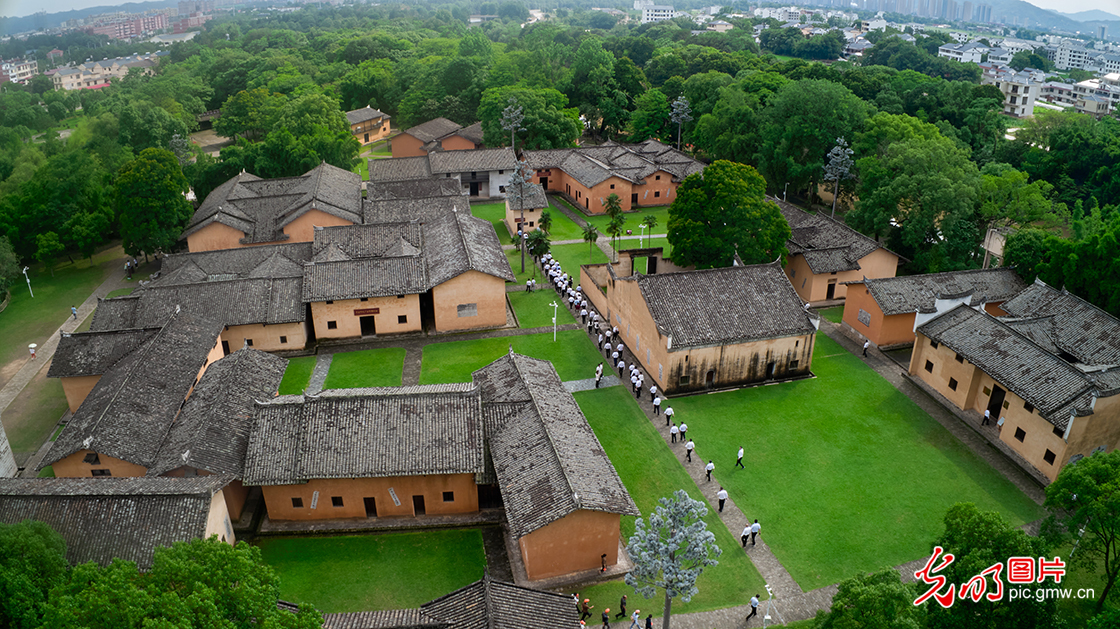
<point>633,162</point>
<point>472,133</point>
<point>1081,329</point>
<point>432,129</point>
<point>490,604</point>
<point>548,461</point>
<point>399,169</point>
<point>829,246</point>
<point>94,353</point>
<point>422,210</point>
<point>535,198</point>
<point>355,434</point>
<point>233,302</point>
<point>129,411</point>
<point>102,519</point>
<point>284,260</point>
<point>363,114</point>
<point>414,189</point>
<point>386,619</point>
<point>909,294</point>
<point>477,160</point>
<point>1051,384</point>
<point>724,306</point>
<point>212,430</point>
<point>261,208</point>
<point>459,243</point>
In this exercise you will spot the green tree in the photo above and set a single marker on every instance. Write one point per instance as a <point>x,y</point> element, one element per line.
<point>650,118</point>
<point>650,221</point>
<point>538,244</point>
<point>671,550</point>
<point>476,44</point>
<point>9,265</point>
<point>151,204</point>
<point>32,562</point>
<point>723,211</point>
<point>548,122</point>
<point>1008,198</point>
<point>1084,505</point>
<point>1030,59</point>
<point>250,113</point>
<point>874,601</point>
<point>545,221</point>
<point>48,248</point>
<point>978,540</point>
<point>590,235</point>
<point>85,230</point>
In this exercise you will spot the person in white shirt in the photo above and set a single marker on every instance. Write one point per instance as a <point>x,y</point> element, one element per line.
<point>668,415</point>
<point>673,432</point>
<point>754,606</point>
<point>739,462</point>
<point>866,344</point>
<point>708,468</point>
<point>621,366</point>
<point>745,535</point>
<point>688,447</point>
<point>755,528</point>
<point>684,429</point>
<point>722,496</point>
<point>656,406</point>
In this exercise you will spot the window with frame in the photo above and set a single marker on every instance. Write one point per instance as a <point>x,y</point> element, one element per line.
<point>330,301</point>
<point>1049,457</point>
<point>402,318</point>
<point>101,472</point>
<point>332,325</point>
<point>283,340</point>
<point>249,342</point>
<point>656,193</point>
<point>1028,407</point>
<point>92,458</point>
<point>794,363</point>
<point>959,358</point>
<point>449,496</point>
<point>929,366</point>
<point>1020,434</point>
<point>953,383</point>
<point>336,501</point>
<point>297,503</point>
<point>1059,432</point>
<point>684,380</point>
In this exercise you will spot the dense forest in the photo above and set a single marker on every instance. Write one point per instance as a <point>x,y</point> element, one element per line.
<point>933,161</point>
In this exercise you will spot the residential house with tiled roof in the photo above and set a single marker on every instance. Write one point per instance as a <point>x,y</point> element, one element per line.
<point>484,603</point>
<point>248,210</point>
<point>524,212</point>
<point>368,124</point>
<point>448,449</point>
<point>480,172</point>
<point>641,175</point>
<point>103,519</point>
<point>824,253</point>
<point>882,310</point>
<point>1049,369</point>
<point>708,329</point>
<point>438,134</point>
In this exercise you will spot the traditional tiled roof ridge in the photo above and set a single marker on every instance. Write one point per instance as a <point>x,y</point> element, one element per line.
<point>65,365</point>
<point>116,486</point>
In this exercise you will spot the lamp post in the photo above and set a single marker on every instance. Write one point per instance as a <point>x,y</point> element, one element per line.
<point>641,234</point>
<point>28,282</point>
<point>554,307</point>
<point>784,191</point>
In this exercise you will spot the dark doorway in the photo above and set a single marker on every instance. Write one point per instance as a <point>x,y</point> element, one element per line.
<point>427,310</point>
<point>489,497</point>
<point>371,507</point>
<point>474,188</point>
<point>225,348</point>
<point>831,291</point>
<point>651,265</point>
<point>367,138</point>
<point>710,379</point>
<point>769,370</point>
<point>418,505</point>
<point>544,183</point>
<point>634,199</point>
<point>369,328</point>
<point>995,403</point>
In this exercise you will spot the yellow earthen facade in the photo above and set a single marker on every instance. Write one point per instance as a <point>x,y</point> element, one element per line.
<point>812,287</point>
<point>469,301</point>
<point>343,318</point>
<point>328,499</point>
<point>573,543</point>
<point>77,388</point>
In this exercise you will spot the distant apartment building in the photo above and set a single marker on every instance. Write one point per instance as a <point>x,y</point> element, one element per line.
<point>1058,93</point>
<point>971,52</point>
<point>1098,97</point>
<point>18,70</point>
<point>195,6</point>
<point>1000,56</point>
<point>94,74</point>
<point>659,13</point>
<point>129,26</point>
<point>1020,89</point>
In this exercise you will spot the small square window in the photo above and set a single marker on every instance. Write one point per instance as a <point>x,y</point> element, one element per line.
<point>283,340</point>
<point>1028,406</point>
<point>953,383</point>
<point>1059,432</point>
<point>501,172</point>
<point>684,380</point>
<point>987,391</point>
<point>400,296</point>
<point>959,358</point>
<point>336,501</point>
<point>101,472</point>
<point>332,325</point>
<point>934,344</point>
<point>449,496</point>
<point>612,186</point>
<point>297,503</point>
<point>364,299</point>
<point>657,178</point>
<point>249,342</point>
<point>794,363</point>
<point>1006,404</point>
<point>402,318</point>
<point>530,223</point>
<point>330,301</point>
<point>656,193</point>
<point>1049,457</point>
<point>502,189</point>
<point>1020,434</point>
<point>929,366</point>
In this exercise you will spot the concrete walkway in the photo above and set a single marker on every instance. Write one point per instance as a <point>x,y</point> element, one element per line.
<point>46,349</point>
<point>319,374</point>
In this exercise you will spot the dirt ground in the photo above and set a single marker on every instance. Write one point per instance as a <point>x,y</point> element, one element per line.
<point>209,141</point>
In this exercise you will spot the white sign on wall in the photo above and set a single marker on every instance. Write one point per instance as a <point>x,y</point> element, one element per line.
<point>393,495</point>
<point>314,500</point>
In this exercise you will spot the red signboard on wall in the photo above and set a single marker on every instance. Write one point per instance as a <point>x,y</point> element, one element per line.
<point>358,312</point>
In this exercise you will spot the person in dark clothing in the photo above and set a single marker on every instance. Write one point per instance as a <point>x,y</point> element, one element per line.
<point>622,608</point>
<point>585,610</point>
<point>607,618</point>
<point>649,621</point>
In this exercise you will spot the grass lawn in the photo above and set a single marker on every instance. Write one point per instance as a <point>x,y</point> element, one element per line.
<point>46,472</point>
<point>650,471</point>
<point>495,213</point>
<point>297,375</point>
<point>1081,610</point>
<point>573,355</point>
<point>563,228</point>
<point>33,414</point>
<point>834,314</point>
<point>28,320</point>
<point>374,572</point>
<point>533,309</point>
<point>572,256</point>
<point>633,219</point>
<point>844,472</point>
<point>381,367</point>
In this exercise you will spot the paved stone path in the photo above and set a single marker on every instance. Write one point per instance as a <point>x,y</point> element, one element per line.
<point>587,384</point>
<point>319,374</point>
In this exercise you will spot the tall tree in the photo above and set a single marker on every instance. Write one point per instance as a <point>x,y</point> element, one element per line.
<point>874,601</point>
<point>839,166</point>
<point>1084,502</point>
<point>671,551</point>
<point>590,235</point>
<point>548,122</point>
<point>651,117</point>
<point>9,264</point>
<point>32,562</point>
<point>682,113</point>
<point>47,249</point>
<point>721,211</point>
<point>151,203</point>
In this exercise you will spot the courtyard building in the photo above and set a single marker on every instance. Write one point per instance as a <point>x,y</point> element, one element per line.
<point>482,173</point>
<point>530,206</point>
<point>368,125</point>
<point>438,134</point>
<point>882,310</point>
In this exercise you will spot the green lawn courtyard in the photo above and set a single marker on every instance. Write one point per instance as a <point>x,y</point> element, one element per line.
<point>374,572</point>
<point>845,473</point>
<point>297,375</point>
<point>381,367</point>
<point>533,309</point>
<point>573,355</point>
<point>495,213</point>
<point>650,471</point>
<point>834,314</point>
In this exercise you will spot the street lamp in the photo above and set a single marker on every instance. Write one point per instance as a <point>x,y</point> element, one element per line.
<point>784,191</point>
<point>641,233</point>
<point>28,282</point>
<point>554,307</point>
